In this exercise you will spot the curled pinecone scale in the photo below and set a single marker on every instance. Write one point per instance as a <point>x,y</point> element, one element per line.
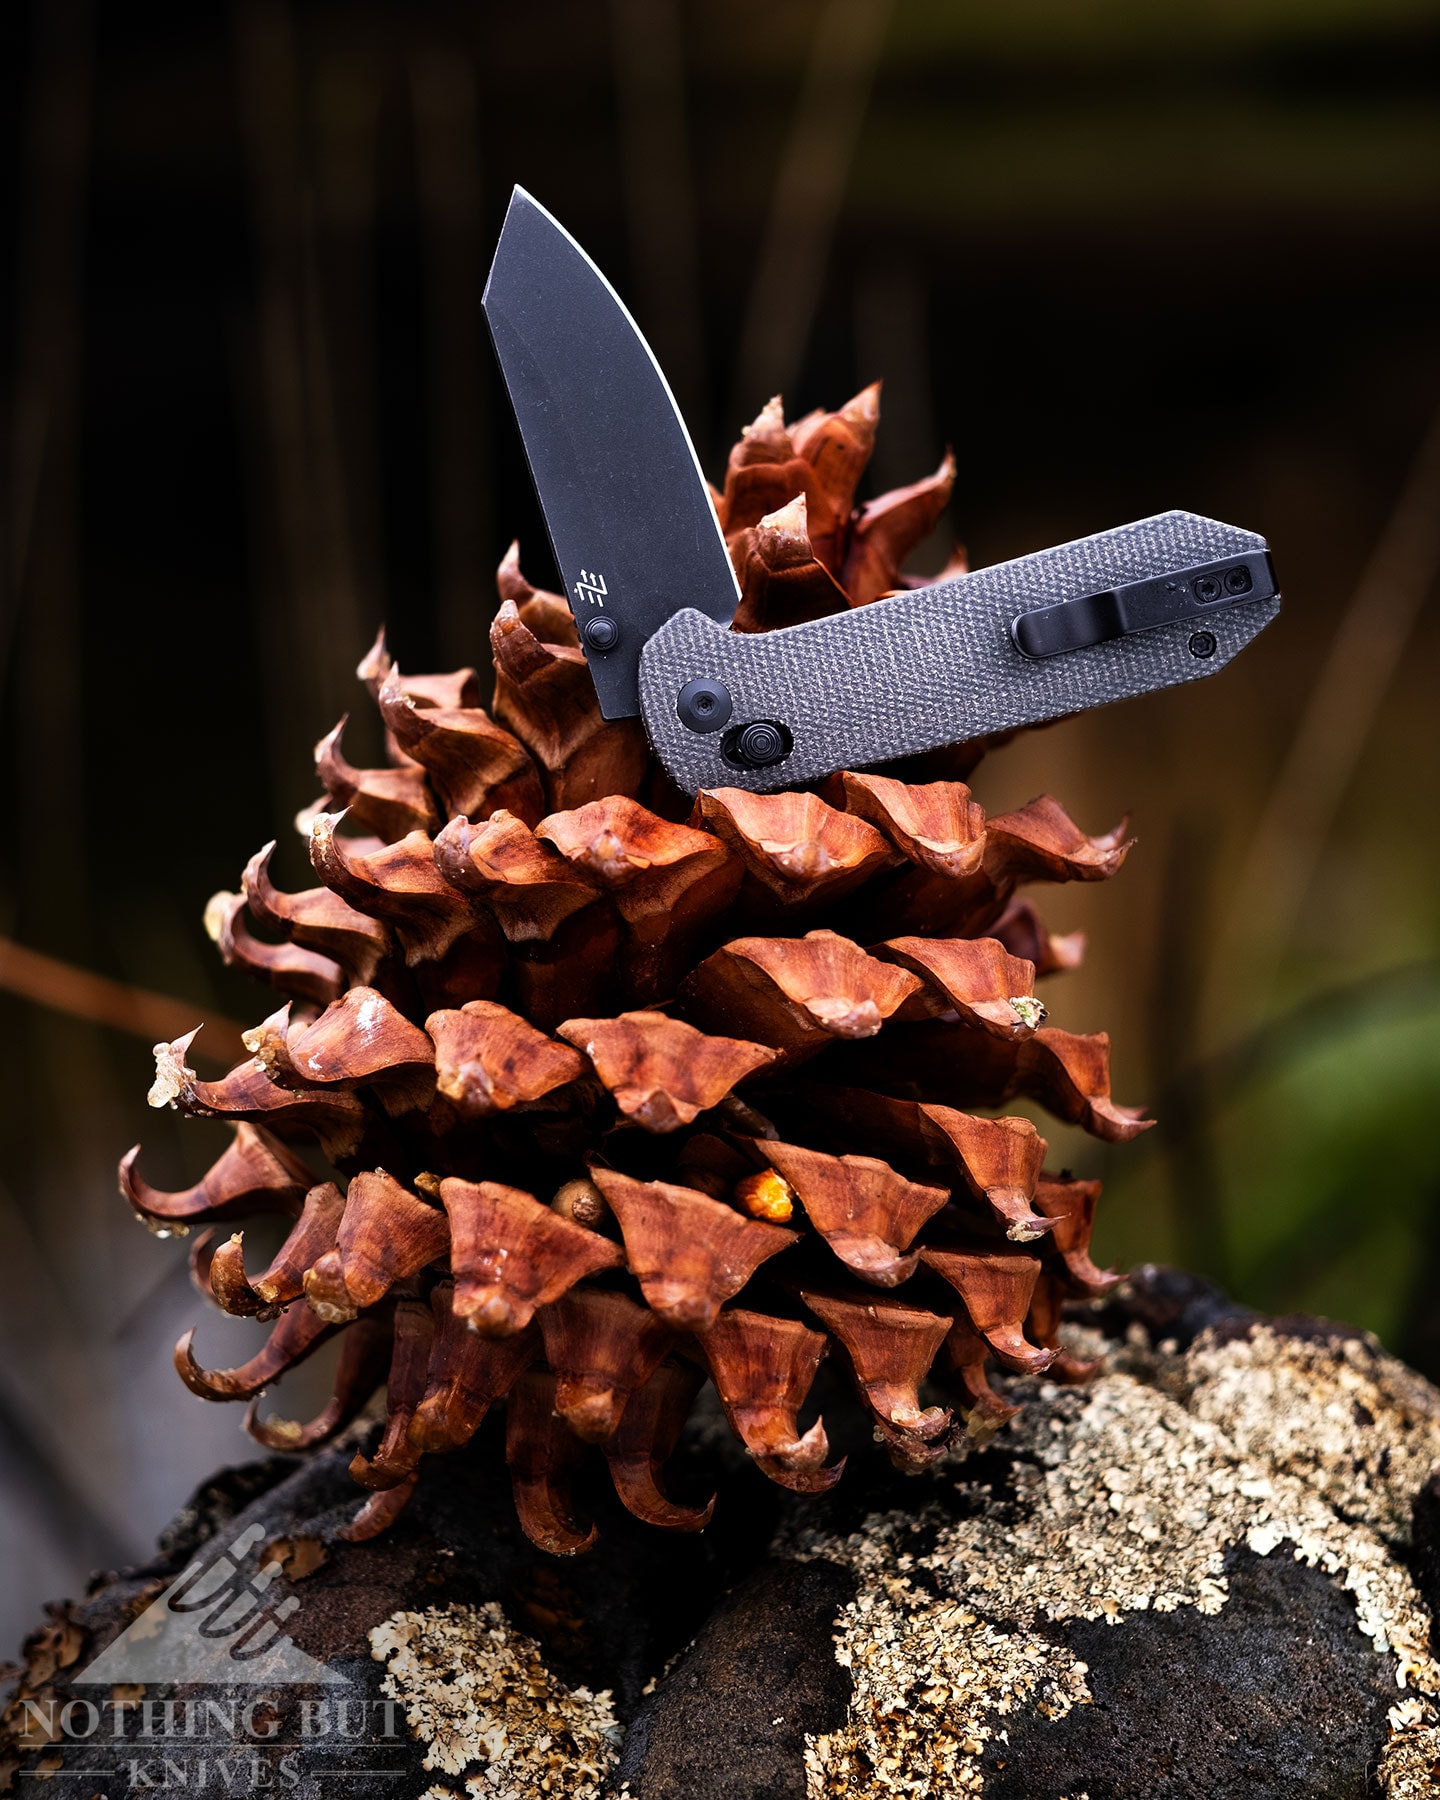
<point>622,1095</point>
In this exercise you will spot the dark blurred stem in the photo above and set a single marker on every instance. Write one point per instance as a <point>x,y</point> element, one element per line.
<point>57,147</point>
<point>266,75</point>
<point>340,630</point>
<point>1310,790</point>
<point>660,195</point>
<point>444,107</point>
<point>44,520</point>
<point>312,632</point>
<point>1418,1339</point>
<point>1187,1123</point>
<point>892,340</point>
<point>340,326</point>
<point>849,36</point>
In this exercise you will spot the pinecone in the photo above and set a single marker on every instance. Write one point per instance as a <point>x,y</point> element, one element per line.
<point>622,1093</point>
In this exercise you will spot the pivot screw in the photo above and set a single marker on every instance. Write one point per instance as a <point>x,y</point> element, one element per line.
<point>703,704</point>
<point>601,632</point>
<point>1202,643</point>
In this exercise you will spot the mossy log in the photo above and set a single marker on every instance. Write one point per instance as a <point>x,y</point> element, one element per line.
<point>1211,1571</point>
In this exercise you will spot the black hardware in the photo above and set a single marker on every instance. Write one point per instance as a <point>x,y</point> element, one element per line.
<point>1143,605</point>
<point>757,745</point>
<point>704,705</point>
<point>601,633</point>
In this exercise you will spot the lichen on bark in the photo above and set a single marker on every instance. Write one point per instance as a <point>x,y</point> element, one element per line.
<point>476,1692</point>
<point>1130,1498</point>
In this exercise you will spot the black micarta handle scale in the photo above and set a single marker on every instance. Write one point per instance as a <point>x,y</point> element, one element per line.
<point>944,664</point>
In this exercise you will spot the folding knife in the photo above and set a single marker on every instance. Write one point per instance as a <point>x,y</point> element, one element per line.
<point>649,578</point>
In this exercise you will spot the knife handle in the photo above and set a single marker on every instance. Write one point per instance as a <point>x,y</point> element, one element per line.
<point>1103,618</point>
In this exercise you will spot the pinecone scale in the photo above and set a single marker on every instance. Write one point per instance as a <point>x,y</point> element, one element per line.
<point>622,1094</point>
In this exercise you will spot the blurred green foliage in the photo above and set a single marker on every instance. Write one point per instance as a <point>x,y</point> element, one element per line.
<point>1324,1130</point>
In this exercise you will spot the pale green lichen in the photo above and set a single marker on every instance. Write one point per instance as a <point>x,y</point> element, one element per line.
<point>932,1670</point>
<point>478,1695</point>
<point>1410,1767</point>
<point>1306,1413</point>
<point>1129,1494</point>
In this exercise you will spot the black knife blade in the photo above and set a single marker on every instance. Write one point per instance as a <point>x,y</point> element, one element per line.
<point>625,503</point>
<point>1167,600</point>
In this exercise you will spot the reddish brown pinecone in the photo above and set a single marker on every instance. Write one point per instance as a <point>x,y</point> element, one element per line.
<point>623,1095</point>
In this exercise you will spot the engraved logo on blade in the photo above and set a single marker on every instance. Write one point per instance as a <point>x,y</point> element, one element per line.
<point>598,629</point>
<point>591,588</point>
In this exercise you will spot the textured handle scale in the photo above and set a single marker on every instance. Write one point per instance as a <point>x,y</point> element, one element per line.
<point>938,666</point>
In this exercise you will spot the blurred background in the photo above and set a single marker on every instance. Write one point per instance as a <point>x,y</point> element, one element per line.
<point>1121,256</point>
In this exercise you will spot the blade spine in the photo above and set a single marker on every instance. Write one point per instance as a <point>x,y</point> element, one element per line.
<point>629,318</point>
